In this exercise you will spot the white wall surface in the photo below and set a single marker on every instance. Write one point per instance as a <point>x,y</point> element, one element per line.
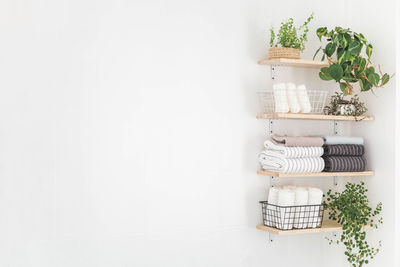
<point>128,134</point>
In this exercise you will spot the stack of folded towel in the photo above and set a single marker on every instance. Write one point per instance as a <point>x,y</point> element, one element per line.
<point>344,154</point>
<point>289,154</point>
<point>294,207</point>
<point>289,97</point>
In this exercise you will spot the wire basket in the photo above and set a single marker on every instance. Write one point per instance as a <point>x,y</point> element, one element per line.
<point>317,100</point>
<point>289,217</point>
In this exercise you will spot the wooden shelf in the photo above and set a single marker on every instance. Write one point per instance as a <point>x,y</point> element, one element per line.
<point>315,174</point>
<point>301,116</point>
<point>327,226</point>
<point>302,63</point>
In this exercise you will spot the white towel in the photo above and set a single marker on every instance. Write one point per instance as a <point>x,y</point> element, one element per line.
<point>301,199</point>
<point>280,98</point>
<point>338,140</point>
<point>286,199</point>
<point>303,98</point>
<point>271,210</point>
<point>278,163</point>
<point>314,198</point>
<point>294,152</point>
<point>291,91</point>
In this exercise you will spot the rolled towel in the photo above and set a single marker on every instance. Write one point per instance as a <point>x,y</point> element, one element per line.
<point>291,91</point>
<point>280,98</point>
<point>304,100</point>
<point>338,140</point>
<point>344,163</point>
<point>304,141</point>
<point>286,208</point>
<point>271,207</point>
<point>314,198</point>
<point>344,150</point>
<point>301,199</point>
<point>293,152</point>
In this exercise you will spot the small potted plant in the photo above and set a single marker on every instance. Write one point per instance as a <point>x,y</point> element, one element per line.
<point>341,106</point>
<point>289,41</point>
<point>349,57</point>
<point>351,209</point>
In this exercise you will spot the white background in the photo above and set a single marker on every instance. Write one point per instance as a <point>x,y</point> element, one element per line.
<point>128,134</point>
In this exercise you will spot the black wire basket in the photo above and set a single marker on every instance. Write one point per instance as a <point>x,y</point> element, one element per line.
<point>292,217</point>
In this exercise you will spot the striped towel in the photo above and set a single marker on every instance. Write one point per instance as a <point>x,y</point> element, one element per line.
<point>344,164</point>
<point>293,152</point>
<point>277,163</point>
<point>344,150</point>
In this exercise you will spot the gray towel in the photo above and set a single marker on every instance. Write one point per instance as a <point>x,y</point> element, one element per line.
<point>344,150</point>
<point>344,164</point>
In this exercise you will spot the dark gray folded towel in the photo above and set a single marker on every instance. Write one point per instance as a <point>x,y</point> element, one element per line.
<point>344,150</point>
<point>344,164</point>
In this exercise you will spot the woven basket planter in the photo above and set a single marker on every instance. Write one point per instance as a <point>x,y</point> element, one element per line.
<point>283,52</point>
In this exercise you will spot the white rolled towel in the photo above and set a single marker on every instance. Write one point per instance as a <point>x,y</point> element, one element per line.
<point>314,198</point>
<point>280,98</point>
<point>271,210</point>
<point>303,98</point>
<point>301,199</point>
<point>293,100</point>
<point>286,203</point>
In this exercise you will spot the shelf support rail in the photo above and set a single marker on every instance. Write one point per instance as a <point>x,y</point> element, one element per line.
<point>271,237</point>
<point>335,132</point>
<point>273,72</point>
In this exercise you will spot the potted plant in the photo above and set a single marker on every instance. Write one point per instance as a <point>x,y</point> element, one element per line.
<point>289,41</point>
<point>351,209</point>
<point>349,57</point>
<point>340,106</point>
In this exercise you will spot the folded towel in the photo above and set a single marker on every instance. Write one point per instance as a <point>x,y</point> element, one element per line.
<point>293,152</point>
<point>291,91</point>
<point>303,99</point>
<point>286,202</point>
<point>338,140</point>
<point>344,163</point>
<point>301,199</point>
<point>343,150</point>
<point>271,208</point>
<point>298,165</point>
<point>280,98</point>
<point>314,198</point>
<point>297,140</point>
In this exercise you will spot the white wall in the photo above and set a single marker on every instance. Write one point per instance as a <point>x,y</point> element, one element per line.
<point>128,134</point>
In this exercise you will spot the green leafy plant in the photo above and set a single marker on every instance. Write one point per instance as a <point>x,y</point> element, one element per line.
<point>338,99</point>
<point>290,36</point>
<point>351,209</point>
<point>347,62</point>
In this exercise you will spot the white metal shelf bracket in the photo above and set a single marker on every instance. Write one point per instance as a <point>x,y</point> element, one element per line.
<point>335,132</point>
<point>273,72</point>
<point>270,126</point>
<point>271,238</point>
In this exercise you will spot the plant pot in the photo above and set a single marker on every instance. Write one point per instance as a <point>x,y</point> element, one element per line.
<point>345,109</point>
<point>283,52</point>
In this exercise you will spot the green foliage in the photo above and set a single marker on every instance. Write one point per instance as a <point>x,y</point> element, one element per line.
<point>290,36</point>
<point>348,65</point>
<point>351,209</point>
<point>338,99</point>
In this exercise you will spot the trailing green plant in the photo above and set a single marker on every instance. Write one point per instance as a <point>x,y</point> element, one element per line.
<point>352,210</point>
<point>353,106</point>
<point>290,36</point>
<point>349,56</point>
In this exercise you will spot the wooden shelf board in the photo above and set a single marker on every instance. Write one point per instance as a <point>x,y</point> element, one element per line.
<point>305,63</point>
<point>301,116</point>
<point>315,174</point>
<point>327,226</point>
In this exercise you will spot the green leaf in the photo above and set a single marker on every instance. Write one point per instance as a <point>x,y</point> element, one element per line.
<point>362,64</point>
<point>336,72</point>
<point>324,74</point>
<point>330,49</point>
<point>343,87</point>
<point>316,52</point>
<point>368,50</point>
<point>385,79</point>
<point>355,47</point>
<point>321,32</point>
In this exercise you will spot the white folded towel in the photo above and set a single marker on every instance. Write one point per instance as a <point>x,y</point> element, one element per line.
<point>314,198</point>
<point>275,162</point>
<point>280,98</point>
<point>294,152</point>
<point>338,140</point>
<point>286,198</point>
<point>303,99</point>
<point>271,210</point>
<point>301,199</point>
<point>291,91</point>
